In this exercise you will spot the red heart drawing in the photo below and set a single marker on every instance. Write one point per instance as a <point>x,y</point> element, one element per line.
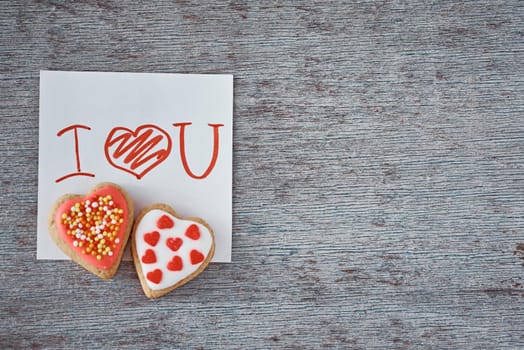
<point>137,152</point>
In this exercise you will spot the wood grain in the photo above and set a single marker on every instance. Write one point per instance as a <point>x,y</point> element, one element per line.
<point>378,175</point>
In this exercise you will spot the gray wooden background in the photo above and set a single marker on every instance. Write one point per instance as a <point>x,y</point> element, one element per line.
<point>378,175</point>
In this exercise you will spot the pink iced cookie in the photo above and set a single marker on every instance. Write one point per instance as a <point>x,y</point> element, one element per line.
<point>93,229</point>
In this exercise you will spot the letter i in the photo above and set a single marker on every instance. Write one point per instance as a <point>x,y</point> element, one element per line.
<point>78,170</point>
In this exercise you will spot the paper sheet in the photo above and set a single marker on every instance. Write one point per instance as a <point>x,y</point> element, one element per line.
<point>86,116</point>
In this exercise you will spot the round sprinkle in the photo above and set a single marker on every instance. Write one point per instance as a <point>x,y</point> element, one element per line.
<point>94,230</point>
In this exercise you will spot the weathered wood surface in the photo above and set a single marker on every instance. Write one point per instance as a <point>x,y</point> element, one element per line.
<point>378,175</point>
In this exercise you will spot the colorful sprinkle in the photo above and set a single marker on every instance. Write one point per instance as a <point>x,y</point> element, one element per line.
<point>155,276</point>
<point>165,222</point>
<point>196,257</point>
<point>193,232</point>
<point>149,257</point>
<point>175,264</point>
<point>152,238</point>
<point>174,243</point>
<point>92,228</point>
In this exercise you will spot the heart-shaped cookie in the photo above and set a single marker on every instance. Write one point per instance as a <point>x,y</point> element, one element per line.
<point>169,250</point>
<point>93,230</point>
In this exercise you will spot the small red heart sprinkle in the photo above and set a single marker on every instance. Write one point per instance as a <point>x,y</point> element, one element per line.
<point>174,243</point>
<point>175,264</point>
<point>165,222</point>
<point>149,257</point>
<point>152,238</point>
<point>193,232</point>
<point>155,276</point>
<point>196,257</point>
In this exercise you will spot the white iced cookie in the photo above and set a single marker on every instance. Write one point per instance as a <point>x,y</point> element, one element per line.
<point>169,250</point>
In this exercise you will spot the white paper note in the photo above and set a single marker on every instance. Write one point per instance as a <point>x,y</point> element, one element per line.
<point>85,117</point>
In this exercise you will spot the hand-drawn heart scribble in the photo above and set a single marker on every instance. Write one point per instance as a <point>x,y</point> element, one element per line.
<point>137,152</point>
